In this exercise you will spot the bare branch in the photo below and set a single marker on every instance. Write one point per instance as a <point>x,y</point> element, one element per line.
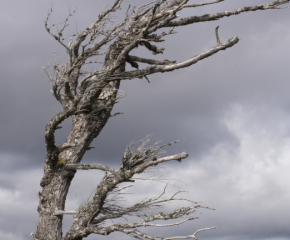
<point>62,212</point>
<point>109,37</point>
<point>45,69</point>
<point>149,61</point>
<point>88,167</point>
<point>82,36</point>
<point>217,35</point>
<point>201,4</point>
<point>136,209</point>
<point>201,230</point>
<point>172,67</point>
<point>216,16</point>
<point>141,234</point>
<point>52,126</point>
<point>59,36</point>
<point>177,157</point>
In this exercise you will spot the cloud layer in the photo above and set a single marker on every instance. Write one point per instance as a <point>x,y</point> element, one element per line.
<point>232,110</point>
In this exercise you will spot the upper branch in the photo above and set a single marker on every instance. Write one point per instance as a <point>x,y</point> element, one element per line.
<point>171,67</point>
<point>148,61</point>
<point>82,36</point>
<point>108,38</point>
<point>201,4</point>
<point>216,16</point>
<point>59,36</point>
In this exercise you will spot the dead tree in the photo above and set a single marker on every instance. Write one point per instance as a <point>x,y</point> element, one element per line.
<point>88,97</point>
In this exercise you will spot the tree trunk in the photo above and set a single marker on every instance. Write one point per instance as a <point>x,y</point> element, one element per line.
<point>57,182</point>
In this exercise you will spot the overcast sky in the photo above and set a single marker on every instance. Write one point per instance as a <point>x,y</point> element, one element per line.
<point>232,109</point>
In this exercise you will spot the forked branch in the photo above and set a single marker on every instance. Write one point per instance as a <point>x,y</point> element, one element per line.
<point>171,67</point>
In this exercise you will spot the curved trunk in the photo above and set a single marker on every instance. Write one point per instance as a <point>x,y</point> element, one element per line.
<point>56,181</point>
<point>85,129</point>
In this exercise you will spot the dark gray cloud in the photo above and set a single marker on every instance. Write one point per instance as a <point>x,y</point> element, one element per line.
<point>232,110</point>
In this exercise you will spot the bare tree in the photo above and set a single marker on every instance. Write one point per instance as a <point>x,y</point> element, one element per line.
<point>88,97</point>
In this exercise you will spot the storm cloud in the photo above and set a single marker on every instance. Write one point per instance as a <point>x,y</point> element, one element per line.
<point>232,109</point>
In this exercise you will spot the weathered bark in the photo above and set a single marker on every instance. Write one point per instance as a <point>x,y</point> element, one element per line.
<point>56,181</point>
<point>54,193</point>
<point>88,99</point>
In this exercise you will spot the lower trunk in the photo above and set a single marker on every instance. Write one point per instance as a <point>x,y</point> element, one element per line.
<point>51,199</point>
<point>56,181</point>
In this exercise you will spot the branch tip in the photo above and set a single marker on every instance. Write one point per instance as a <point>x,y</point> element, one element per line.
<point>217,36</point>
